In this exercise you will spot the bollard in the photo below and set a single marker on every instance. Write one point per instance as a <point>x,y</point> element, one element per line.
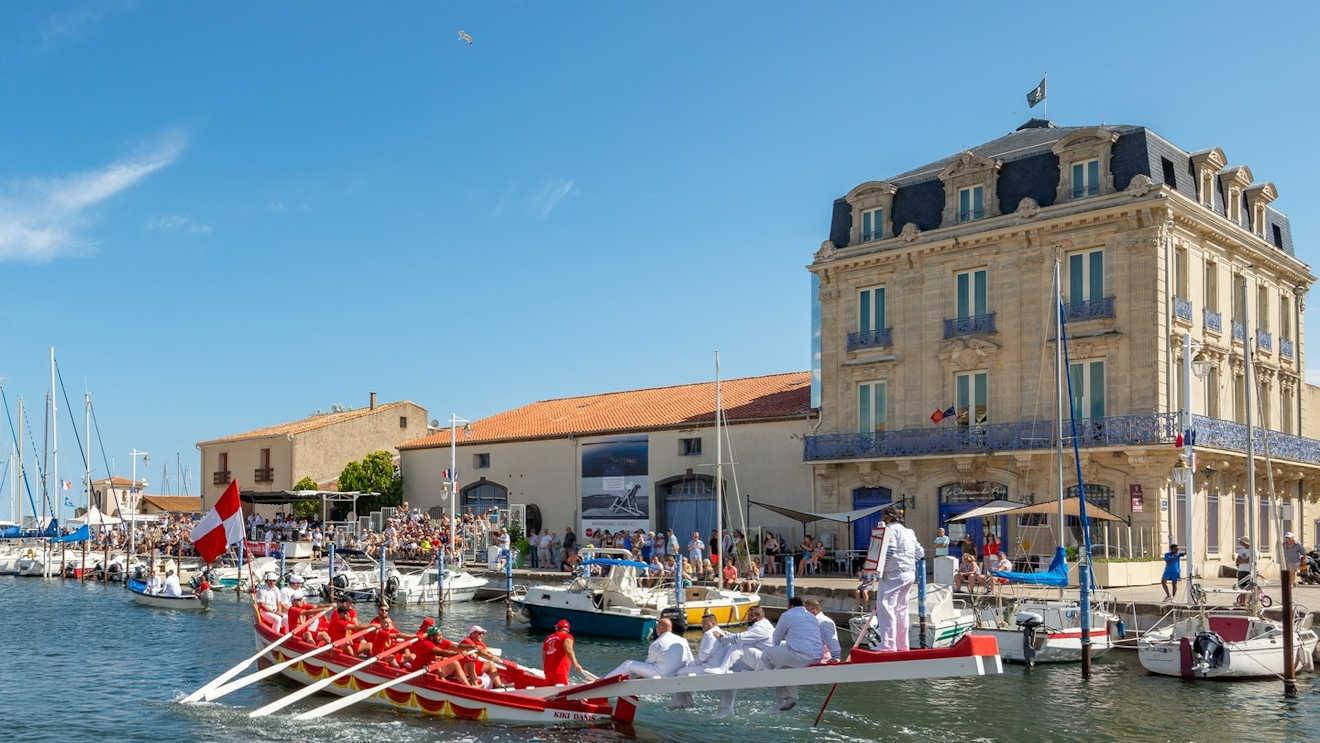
<point>440,584</point>
<point>921,603</point>
<point>788,577</point>
<point>508,587</point>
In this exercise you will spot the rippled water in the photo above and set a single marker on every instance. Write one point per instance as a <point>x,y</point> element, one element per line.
<point>85,662</point>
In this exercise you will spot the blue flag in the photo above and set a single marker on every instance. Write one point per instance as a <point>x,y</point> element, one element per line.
<point>68,503</point>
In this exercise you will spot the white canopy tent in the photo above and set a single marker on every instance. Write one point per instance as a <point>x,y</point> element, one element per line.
<point>94,517</point>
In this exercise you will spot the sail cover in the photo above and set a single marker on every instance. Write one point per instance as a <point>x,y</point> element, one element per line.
<point>1056,575</point>
<point>82,534</point>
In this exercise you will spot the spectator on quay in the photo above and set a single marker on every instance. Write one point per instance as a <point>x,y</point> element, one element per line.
<point>941,543</point>
<point>771,549</point>
<point>990,553</point>
<point>805,549</point>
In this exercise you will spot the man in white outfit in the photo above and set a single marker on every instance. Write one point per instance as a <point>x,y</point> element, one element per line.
<point>898,572</point>
<point>172,587</point>
<point>742,652</point>
<point>829,631</point>
<point>797,645</point>
<point>667,654</point>
<point>708,655</point>
<point>269,603</point>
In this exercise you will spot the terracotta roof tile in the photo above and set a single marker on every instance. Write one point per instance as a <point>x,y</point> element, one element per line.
<point>775,396</point>
<point>309,423</point>
<point>119,482</point>
<point>175,503</point>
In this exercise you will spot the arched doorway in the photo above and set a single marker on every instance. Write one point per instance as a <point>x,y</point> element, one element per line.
<point>481,496</point>
<point>686,504</point>
<point>866,498</point>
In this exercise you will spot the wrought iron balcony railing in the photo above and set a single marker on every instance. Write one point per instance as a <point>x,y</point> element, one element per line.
<point>1286,348</point>
<point>880,338</point>
<point>1090,309</point>
<point>1214,322</point>
<point>220,478</point>
<point>1182,309</point>
<point>1123,430</point>
<point>1264,341</point>
<point>264,474</point>
<point>974,325</point>
<point>1239,332</point>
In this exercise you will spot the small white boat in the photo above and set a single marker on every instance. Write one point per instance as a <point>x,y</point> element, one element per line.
<point>1223,644</point>
<point>189,601</point>
<point>420,586</point>
<point>1043,631</point>
<point>947,620</point>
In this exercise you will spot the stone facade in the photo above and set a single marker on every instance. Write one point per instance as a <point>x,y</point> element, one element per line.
<point>1166,265</point>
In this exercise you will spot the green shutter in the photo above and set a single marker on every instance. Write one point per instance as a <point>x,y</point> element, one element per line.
<point>979,278</point>
<point>864,311</point>
<point>963,299</point>
<point>1097,389</point>
<point>881,406</point>
<point>1097,277</point>
<point>963,384</point>
<point>881,322</point>
<point>982,398</point>
<point>1077,176</point>
<point>1075,270</point>
<point>864,408</point>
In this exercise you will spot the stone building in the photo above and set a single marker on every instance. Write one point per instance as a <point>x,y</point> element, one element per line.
<point>318,446</point>
<point>626,460</point>
<point>935,292</point>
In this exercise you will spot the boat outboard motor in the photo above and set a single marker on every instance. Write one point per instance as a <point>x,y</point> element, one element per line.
<point>676,617</point>
<point>1208,651</point>
<point>391,587</point>
<point>1029,622</point>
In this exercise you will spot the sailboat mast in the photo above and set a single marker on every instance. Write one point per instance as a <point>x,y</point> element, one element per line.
<point>1058,392</point>
<point>1251,453</point>
<point>87,449</point>
<point>58,505</point>
<point>21,426</point>
<point>719,466</point>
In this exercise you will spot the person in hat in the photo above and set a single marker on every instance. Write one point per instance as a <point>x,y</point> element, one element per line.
<point>435,649</point>
<point>557,655</point>
<point>270,605</point>
<point>1293,555</point>
<point>384,637</point>
<point>481,663</point>
<point>293,588</point>
<point>172,587</point>
<point>898,571</point>
<point>1242,559</point>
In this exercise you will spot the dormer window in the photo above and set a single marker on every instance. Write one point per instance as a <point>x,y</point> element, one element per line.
<point>1232,181</point>
<point>1234,206</point>
<point>971,203</point>
<point>1206,164</point>
<point>1258,198</point>
<point>873,221</point>
<point>1086,178</point>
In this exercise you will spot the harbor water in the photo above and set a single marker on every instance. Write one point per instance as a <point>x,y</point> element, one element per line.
<point>83,662</point>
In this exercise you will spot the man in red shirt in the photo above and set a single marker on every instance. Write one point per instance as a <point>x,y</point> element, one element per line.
<point>557,655</point>
<point>482,659</point>
<point>436,648</point>
<point>382,638</point>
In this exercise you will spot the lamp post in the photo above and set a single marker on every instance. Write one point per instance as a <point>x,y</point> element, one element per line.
<point>1185,471</point>
<point>132,523</point>
<point>454,420</point>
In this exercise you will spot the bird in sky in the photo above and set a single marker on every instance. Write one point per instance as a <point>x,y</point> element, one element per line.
<point>465,36</point>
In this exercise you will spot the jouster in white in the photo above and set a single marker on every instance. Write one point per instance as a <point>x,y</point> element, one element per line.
<point>899,571</point>
<point>797,645</point>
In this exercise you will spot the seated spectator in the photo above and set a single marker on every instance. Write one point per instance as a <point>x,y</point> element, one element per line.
<point>968,576</point>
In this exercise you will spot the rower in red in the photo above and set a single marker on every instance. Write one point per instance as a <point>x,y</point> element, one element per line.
<point>557,655</point>
<point>436,648</point>
<point>482,660</point>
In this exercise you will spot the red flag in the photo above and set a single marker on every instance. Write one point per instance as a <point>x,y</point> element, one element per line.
<point>1178,441</point>
<point>937,416</point>
<point>220,527</point>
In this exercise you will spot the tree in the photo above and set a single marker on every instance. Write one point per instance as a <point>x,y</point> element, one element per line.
<point>306,509</point>
<point>374,474</point>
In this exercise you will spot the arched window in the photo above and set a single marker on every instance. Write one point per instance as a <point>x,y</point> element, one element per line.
<point>482,496</point>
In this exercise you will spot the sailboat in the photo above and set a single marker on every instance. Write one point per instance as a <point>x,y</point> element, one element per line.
<point>1042,630</point>
<point>1197,642</point>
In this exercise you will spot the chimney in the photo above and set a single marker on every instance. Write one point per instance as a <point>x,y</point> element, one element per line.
<point>373,402</point>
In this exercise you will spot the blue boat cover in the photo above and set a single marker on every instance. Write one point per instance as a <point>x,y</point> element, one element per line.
<point>81,535</point>
<point>609,562</point>
<point>1056,575</point>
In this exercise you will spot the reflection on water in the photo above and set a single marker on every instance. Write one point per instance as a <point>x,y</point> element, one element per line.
<point>85,662</point>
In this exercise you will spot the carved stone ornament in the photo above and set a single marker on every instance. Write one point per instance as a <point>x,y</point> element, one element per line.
<point>1140,185</point>
<point>910,232</point>
<point>827,251</point>
<point>1027,208</point>
<point>968,352</point>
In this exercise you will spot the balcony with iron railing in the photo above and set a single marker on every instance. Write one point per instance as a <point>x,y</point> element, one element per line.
<point>264,474</point>
<point>1264,341</point>
<point>1286,349</point>
<point>1090,309</point>
<point>1182,309</point>
<point>1214,322</point>
<point>880,338</point>
<point>1112,431</point>
<point>972,325</point>
<point>221,477</point>
<point>1239,332</point>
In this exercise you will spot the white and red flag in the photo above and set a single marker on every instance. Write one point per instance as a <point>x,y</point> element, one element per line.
<point>220,527</point>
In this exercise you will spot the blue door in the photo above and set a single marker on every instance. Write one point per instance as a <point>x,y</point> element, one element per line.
<point>866,498</point>
<point>688,505</point>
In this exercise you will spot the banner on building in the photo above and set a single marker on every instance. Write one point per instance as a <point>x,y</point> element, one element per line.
<point>616,485</point>
<point>1138,498</point>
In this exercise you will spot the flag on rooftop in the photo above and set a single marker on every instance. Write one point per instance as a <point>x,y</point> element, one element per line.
<point>1037,94</point>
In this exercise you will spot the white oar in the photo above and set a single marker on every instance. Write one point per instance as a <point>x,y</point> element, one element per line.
<point>311,689</point>
<point>256,676</point>
<point>196,696</point>
<point>362,694</point>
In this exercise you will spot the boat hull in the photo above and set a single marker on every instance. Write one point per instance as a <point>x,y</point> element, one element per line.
<point>595,623</point>
<point>186,602</point>
<point>429,696</point>
<point>1056,647</point>
<point>1168,652</point>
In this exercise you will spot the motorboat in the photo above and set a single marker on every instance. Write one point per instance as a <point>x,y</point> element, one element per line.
<point>947,620</point>
<point>1043,630</point>
<point>189,601</point>
<point>420,586</point>
<point>1223,644</point>
<point>615,603</point>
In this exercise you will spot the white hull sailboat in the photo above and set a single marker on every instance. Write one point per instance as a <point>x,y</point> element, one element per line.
<point>1223,645</point>
<point>947,620</point>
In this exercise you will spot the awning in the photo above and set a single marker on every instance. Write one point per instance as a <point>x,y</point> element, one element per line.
<point>987,509</point>
<point>285,497</point>
<point>1070,508</point>
<point>807,517</point>
<point>81,534</point>
<point>94,517</point>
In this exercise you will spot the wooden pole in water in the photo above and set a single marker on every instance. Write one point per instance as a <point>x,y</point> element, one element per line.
<point>1289,670</point>
<point>440,584</point>
<point>508,585</point>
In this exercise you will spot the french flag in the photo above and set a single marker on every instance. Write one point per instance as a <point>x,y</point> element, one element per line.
<point>220,527</point>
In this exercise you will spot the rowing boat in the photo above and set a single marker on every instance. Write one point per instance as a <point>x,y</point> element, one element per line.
<point>186,602</point>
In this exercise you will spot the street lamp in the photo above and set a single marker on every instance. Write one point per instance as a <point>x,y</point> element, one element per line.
<point>454,420</point>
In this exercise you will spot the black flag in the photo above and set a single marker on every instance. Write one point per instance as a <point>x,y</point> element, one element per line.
<point>1036,95</point>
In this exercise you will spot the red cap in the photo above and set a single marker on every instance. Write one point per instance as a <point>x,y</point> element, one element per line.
<point>562,624</point>
<point>427,623</point>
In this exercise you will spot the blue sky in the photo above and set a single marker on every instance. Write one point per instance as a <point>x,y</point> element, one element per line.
<point>224,217</point>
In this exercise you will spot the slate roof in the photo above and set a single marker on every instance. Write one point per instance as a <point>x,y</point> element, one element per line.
<point>309,423</point>
<point>770,397</point>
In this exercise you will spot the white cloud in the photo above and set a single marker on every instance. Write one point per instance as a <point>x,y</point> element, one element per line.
<point>76,21</point>
<point>42,218</point>
<point>552,192</point>
<point>177,223</point>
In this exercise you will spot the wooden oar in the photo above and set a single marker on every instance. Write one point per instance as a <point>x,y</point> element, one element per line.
<point>196,696</point>
<point>311,689</point>
<point>256,676</point>
<point>857,641</point>
<point>362,694</point>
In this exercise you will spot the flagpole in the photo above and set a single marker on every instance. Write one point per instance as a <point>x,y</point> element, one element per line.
<point>1046,89</point>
